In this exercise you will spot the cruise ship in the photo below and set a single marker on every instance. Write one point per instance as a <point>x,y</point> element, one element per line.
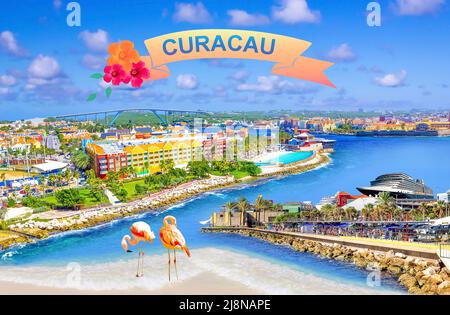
<point>398,185</point>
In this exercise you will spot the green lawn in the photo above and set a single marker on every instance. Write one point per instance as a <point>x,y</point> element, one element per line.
<point>88,199</point>
<point>240,174</point>
<point>130,188</point>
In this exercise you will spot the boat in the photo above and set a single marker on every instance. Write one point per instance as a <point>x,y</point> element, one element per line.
<point>398,185</point>
<point>397,133</point>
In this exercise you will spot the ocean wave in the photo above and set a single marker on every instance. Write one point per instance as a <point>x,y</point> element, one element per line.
<point>253,272</point>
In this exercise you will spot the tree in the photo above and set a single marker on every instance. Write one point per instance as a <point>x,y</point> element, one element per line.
<point>69,198</point>
<point>243,205</point>
<point>122,194</point>
<point>81,160</point>
<point>166,165</point>
<point>229,206</point>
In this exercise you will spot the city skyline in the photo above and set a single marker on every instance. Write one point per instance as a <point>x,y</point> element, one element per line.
<point>45,64</point>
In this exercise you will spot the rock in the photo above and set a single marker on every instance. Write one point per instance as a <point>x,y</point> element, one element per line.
<point>394,269</point>
<point>429,271</point>
<point>444,288</point>
<point>435,279</point>
<point>408,281</point>
<point>400,255</point>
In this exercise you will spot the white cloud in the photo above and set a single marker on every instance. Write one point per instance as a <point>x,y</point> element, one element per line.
<point>43,70</point>
<point>392,79</point>
<point>187,81</point>
<point>191,13</point>
<point>243,18</point>
<point>4,90</point>
<point>93,62</point>
<point>418,7</point>
<point>342,53</point>
<point>9,44</point>
<point>275,85</point>
<point>295,11</point>
<point>44,67</point>
<point>57,4</point>
<point>240,75</point>
<point>7,80</point>
<point>95,41</point>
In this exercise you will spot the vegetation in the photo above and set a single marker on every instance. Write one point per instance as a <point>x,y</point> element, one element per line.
<point>70,198</point>
<point>81,160</point>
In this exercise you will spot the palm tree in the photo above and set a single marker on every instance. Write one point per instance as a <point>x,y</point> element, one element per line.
<point>3,179</point>
<point>350,213</point>
<point>260,205</point>
<point>243,205</point>
<point>229,206</point>
<point>439,209</point>
<point>385,202</point>
<point>367,211</point>
<point>81,160</point>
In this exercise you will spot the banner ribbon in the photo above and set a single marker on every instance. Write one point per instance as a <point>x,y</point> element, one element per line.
<point>285,51</point>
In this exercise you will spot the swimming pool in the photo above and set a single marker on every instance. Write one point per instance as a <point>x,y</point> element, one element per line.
<point>286,158</point>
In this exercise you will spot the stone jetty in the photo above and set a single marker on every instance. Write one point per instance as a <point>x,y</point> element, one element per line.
<point>419,275</point>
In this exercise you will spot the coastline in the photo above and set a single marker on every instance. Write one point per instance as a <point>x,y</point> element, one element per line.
<point>78,220</point>
<point>205,283</point>
<point>421,276</point>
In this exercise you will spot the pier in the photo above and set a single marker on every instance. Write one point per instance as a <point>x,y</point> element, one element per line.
<point>422,250</point>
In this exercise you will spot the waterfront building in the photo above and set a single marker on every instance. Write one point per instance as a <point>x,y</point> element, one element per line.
<point>143,155</point>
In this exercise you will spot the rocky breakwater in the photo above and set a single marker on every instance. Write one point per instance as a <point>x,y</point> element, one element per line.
<point>419,276</point>
<point>40,229</point>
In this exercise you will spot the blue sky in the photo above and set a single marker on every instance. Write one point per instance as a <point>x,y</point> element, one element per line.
<point>403,64</point>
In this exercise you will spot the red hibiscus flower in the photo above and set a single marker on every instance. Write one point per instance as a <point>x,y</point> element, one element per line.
<point>115,74</point>
<point>138,74</point>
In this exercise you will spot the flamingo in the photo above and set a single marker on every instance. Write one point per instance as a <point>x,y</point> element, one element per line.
<point>141,233</point>
<point>172,239</point>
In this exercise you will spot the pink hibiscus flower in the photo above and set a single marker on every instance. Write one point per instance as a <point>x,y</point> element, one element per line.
<point>116,75</point>
<point>138,74</point>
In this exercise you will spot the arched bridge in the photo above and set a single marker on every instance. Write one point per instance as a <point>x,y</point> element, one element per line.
<point>163,115</point>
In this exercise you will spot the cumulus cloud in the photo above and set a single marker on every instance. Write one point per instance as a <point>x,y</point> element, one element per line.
<point>342,53</point>
<point>295,11</point>
<point>392,79</point>
<point>43,70</point>
<point>240,75</point>
<point>187,81</point>
<point>243,18</point>
<point>93,62</point>
<point>95,41</point>
<point>7,80</point>
<point>275,85</point>
<point>9,44</point>
<point>57,4</point>
<point>418,7</point>
<point>191,13</point>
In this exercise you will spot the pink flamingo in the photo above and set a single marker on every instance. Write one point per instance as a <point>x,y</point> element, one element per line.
<point>172,239</point>
<point>141,233</point>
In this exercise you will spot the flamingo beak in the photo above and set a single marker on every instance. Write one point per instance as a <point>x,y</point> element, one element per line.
<point>129,251</point>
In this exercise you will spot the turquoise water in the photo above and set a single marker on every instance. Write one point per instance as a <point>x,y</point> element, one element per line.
<point>287,158</point>
<point>355,162</point>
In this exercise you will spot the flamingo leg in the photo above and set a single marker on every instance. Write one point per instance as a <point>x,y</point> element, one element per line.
<point>142,263</point>
<point>175,262</point>
<point>139,260</point>
<point>168,252</point>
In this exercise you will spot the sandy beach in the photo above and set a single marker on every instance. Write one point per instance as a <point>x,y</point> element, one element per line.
<point>205,283</point>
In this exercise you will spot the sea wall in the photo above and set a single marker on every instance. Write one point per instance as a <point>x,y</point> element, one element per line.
<point>418,275</point>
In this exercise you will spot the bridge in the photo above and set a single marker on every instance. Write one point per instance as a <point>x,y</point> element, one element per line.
<point>163,115</point>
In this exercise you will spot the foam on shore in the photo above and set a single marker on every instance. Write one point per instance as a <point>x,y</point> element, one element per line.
<point>253,272</point>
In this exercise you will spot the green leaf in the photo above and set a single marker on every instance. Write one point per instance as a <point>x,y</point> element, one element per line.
<point>108,91</point>
<point>96,76</point>
<point>91,97</point>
